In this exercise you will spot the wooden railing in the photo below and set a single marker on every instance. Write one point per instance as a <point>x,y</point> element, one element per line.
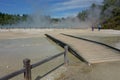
<point>27,66</point>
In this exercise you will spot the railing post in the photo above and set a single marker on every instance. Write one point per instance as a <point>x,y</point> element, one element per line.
<point>27,66</point>
<point>66,55</point>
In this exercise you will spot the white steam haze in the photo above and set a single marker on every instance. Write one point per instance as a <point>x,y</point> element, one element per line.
<point>38,19</point>
<point>94,16</point>
<point>41,21</point>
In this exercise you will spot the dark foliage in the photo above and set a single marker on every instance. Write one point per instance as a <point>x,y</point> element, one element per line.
<point>11,19</point>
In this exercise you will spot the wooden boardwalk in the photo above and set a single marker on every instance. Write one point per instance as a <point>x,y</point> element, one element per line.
<point>91,52</point>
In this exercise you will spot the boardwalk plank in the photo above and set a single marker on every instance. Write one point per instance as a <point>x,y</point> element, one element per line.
<point>93,53</point>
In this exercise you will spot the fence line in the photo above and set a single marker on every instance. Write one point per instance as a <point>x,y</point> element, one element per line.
<point>13,74</point>
<point>27,66</point>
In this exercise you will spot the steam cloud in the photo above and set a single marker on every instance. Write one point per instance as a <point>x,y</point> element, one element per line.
<point>38,20</point>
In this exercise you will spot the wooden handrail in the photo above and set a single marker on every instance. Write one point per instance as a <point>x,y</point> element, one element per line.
<point>27,66</point>
<point>13,74</point>
<point>46,60</point>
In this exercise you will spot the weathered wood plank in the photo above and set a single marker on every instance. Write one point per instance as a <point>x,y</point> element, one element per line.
<point>89,51</point>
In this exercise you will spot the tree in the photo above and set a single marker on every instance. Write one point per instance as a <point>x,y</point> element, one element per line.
<point>82,15</point>
<point>113,7</point>
<point>6,19</point>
